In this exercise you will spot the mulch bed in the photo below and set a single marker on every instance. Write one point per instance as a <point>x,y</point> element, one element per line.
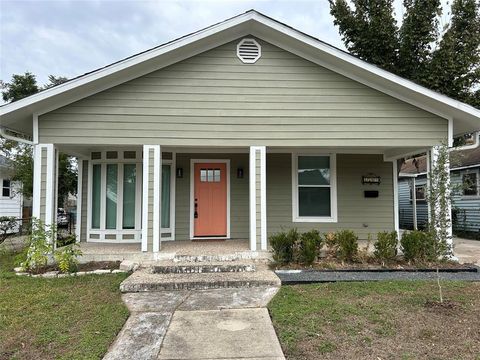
<point>90,266</point>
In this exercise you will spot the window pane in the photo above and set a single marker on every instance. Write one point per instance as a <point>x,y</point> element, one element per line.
<point>111,199</point>
<point>166,169</point>
<point>129,154</point>
<point>112,154</point>
<point>129,182</point>
<point>314,201</point>
<point>313,170</point>
<point>216,175</point>
<point>420,192</point>
<point>96,190</point>
<point>96,155</point>
<point>210,175</point>
<point>203,175</point>
<point>470,184</point>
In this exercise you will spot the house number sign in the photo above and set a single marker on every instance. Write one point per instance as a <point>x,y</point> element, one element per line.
<point>371,179</point>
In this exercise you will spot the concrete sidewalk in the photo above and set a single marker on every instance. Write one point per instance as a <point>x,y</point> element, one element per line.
<point>231,323</point>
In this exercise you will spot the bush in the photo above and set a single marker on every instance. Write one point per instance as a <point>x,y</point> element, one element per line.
<point>66,258</point>
<point>386,246</point>
<point>331,242</point>
<point>283,244</point>
<point>419,246</point>
<point>66,240</point>
<point>309,246</point>
<point>347,245</point>
<point>39,246</point>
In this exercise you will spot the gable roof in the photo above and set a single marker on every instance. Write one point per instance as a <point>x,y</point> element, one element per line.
<point>19,114</point>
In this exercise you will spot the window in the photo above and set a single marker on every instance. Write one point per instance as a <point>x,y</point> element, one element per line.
<point>6,188</point>
<point>209,175</point>
<point>314,192</point>
<point>419,193</point>
<point>470,187</point>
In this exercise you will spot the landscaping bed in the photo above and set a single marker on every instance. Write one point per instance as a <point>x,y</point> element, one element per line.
<point>89,266</point>
<point>378,320</point>
<point>68,318</point>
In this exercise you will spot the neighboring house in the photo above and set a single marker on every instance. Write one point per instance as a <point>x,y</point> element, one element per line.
<point>11,201</point>
<point>465,177</point>
<point>236,131</point>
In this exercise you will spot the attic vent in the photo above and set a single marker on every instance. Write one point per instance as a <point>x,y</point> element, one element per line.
<point>249,51</point>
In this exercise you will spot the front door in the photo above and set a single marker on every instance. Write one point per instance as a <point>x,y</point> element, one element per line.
<point>210,199</point>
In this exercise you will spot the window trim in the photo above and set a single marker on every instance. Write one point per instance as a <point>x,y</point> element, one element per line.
<point>9,196</point>
<point>333,218</point>
<point>476,172</point>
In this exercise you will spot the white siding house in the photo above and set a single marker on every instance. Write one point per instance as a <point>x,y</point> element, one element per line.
<point>10,200</point>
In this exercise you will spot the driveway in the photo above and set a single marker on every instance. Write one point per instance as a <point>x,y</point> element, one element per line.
<point>467,251</point>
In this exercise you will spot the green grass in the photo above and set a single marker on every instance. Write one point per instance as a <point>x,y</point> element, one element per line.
<point>65,318</point>
<point>377,320</point>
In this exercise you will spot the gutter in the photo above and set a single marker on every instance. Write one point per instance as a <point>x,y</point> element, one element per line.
<point>4,133</point>
<point>476,135</point>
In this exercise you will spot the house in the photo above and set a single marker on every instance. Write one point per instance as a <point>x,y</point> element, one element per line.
<point>464,174</point>
<point>11,201</point>
<point>236,131</point>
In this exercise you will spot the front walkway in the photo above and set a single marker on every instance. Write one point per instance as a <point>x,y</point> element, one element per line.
<point>228,323</point>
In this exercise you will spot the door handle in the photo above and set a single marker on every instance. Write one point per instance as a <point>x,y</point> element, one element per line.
<point>195,214</point>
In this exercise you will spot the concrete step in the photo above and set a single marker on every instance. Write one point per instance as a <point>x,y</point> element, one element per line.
<point>201,267</point>
<point>236,256</point>
<point>143,280</point>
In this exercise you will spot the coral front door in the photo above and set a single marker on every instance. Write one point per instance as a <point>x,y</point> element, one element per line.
<point>210,200</point>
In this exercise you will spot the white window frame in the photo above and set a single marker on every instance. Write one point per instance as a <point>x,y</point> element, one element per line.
<point>333,218</point>
<point>99,235</point>
<point>170,230</point>
<point>10,195</point>
<point>468,172</point>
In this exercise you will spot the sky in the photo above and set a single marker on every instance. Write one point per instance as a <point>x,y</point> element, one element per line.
<point>69,38</point>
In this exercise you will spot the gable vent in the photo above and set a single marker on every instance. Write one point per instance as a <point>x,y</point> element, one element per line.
<point>249,51</point>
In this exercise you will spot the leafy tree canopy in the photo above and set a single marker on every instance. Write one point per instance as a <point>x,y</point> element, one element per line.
<point>21,155</point>
<point>445,59</point>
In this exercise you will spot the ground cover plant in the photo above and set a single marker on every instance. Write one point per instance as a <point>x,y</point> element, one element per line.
<point>63,318</point>
<point>378,320</point>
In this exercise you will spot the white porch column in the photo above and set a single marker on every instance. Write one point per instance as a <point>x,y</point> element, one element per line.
<point>258,198</point>
<point>151,199</point>
<point>443,206</point>
<point>45,167</point>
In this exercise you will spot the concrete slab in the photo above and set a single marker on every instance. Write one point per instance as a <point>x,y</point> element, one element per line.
<point>467,251</point>
<point>233,298</point>
<point>221,334</point>
<point>140,338</point>
<point>159,301</point>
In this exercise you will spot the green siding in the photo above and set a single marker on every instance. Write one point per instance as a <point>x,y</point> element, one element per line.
<point>355,212</point>
<point>214,99</point>
<point>239,221</point>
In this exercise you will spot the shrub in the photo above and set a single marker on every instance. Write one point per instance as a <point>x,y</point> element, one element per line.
<point>66,258</point>
<point>331,242</point>
<point>66,240</point>
<point>283,244</point>
<point>347,243</point>
<point>386,246</point>
<point>7,226</point>
<point>39,246</point>
<point>418,246</point>
<point>309,246</point>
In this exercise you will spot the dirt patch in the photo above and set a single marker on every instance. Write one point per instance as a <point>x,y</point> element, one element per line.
<point>384,320</point>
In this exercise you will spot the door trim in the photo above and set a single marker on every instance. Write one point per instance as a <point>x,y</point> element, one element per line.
<point>192,193</point>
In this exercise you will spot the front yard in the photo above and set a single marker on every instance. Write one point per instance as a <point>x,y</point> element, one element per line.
<point>378,320</point>
<point>64,318</point>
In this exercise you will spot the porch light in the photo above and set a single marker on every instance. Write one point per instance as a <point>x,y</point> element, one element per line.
<point>240,173</point>
<point>179,173</point>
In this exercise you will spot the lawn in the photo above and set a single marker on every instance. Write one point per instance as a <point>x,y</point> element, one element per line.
<point>66,318</point>
<point>378,320</point>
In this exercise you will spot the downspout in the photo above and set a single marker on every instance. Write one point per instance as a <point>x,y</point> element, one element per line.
<point>476,135</point>
<point>4,134</point>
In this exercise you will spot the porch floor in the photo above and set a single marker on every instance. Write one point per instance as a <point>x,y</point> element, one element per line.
<point>169,250</point>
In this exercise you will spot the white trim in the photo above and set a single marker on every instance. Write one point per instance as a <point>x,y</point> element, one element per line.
<point>35,128</point>
<point>414,202</point>
<point>333,218</point>
<point>78,220</point>
<point>477,179</point>
<point>396,221</point>
<point>49,191</point>
<point>252,198</point>
<point>192,196</point>
<point>476,136</point>
<point>263,197</point>
<point>171,229</point>
<point>37,180</point>
<point>157,187</point>
<point>450,133</point>
<point>146,156</point>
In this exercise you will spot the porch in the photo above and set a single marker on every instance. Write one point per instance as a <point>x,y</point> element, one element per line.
<point>146,202</point>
